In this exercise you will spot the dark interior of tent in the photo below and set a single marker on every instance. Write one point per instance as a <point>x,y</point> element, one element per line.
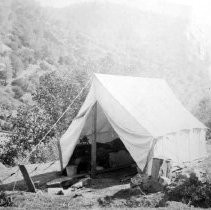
<point>111,155</point>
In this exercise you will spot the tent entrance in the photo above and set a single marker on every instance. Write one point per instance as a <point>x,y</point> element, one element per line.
<point>109,155</point>
<point>99,147</point>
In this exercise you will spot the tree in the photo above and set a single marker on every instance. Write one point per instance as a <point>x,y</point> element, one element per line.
<point>16,64</point>
<point>29,127</point>
<point>55,93</point>
<point>9,69</point>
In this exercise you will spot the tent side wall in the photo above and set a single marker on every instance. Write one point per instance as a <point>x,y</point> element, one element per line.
<point>183,146</point>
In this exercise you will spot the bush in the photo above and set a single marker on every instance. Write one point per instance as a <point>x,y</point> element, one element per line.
<point>18,92</point>
<point>44,66</point>
<point>29,126</point>
<point>5,200</point>
<point>45,152</point>
<point>191,192</point>
<point>21,82</point>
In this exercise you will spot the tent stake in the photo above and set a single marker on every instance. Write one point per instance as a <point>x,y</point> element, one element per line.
<point>93,154</point>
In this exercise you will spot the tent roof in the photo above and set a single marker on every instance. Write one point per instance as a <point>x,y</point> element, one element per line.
<point>149,101</point>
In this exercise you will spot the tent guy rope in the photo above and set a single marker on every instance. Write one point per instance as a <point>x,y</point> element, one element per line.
<point>26,160</point>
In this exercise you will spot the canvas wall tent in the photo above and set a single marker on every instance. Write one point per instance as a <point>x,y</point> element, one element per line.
<point>146,116</point>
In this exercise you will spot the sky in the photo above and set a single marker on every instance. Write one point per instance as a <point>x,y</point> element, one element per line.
<point>201,8</point>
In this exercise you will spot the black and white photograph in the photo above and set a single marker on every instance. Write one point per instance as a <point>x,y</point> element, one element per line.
<point>105,104</point>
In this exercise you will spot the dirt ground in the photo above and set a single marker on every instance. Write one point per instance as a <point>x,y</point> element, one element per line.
<point>105,192</point>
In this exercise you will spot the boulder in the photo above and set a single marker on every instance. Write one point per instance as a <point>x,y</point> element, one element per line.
<point>146,183</point>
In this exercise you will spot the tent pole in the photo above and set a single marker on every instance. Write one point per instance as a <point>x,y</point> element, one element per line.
<point>93,153</point>
<point>60,155</point>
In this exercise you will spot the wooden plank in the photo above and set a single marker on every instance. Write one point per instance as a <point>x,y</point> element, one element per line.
<point>27,178</point>
<point>60,155</point>
<point>58,181</point>
<point>93,152</point>
<point>156,164</point>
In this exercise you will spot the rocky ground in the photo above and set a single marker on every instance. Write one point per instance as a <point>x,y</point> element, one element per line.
<point>105,192</point>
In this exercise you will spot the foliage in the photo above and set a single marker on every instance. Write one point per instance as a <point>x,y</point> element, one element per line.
<point>9,68</point>
<point>18,92</point>
<point>5,200</point>
<point>16,64</point>
<point>45,152</point>
<point>192,192</point>
<point>29,126</point>
<point>54,95</point>
<point>3,77</point>
<point>20,82</point>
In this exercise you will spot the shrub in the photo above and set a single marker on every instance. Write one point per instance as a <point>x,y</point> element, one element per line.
<point>45,152</point>
<point>5,200</point>
<point>192,192</point>
<point>29,126</point>
<point>18,92</point>
<point>44,66</point>
<point>21,82</point>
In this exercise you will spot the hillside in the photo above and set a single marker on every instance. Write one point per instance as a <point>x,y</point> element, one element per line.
<point>141,43</point>
<point>48,54</point>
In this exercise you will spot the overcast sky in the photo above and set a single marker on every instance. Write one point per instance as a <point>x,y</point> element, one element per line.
<point>201,8</point>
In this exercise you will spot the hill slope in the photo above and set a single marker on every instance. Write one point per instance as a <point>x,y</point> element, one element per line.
<point>99,37</point>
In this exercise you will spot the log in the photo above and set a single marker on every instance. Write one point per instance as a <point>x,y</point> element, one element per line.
<point>27,179</point>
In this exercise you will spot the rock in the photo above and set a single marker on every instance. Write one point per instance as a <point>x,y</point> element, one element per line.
<point>146,183</point>
<point>164,181</point>
<point>69,183</point>
<point>55,191</point>
<point>60,192</point>
<point>82,183</point>
<point>138,179</point>
<point>76,195</point>
<point>201,174</point>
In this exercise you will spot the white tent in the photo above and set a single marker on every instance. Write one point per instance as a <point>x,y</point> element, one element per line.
<point>144,113</point>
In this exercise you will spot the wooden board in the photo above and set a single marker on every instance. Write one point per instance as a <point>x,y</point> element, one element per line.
<point>59,182</point>
<point>27,179</point>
